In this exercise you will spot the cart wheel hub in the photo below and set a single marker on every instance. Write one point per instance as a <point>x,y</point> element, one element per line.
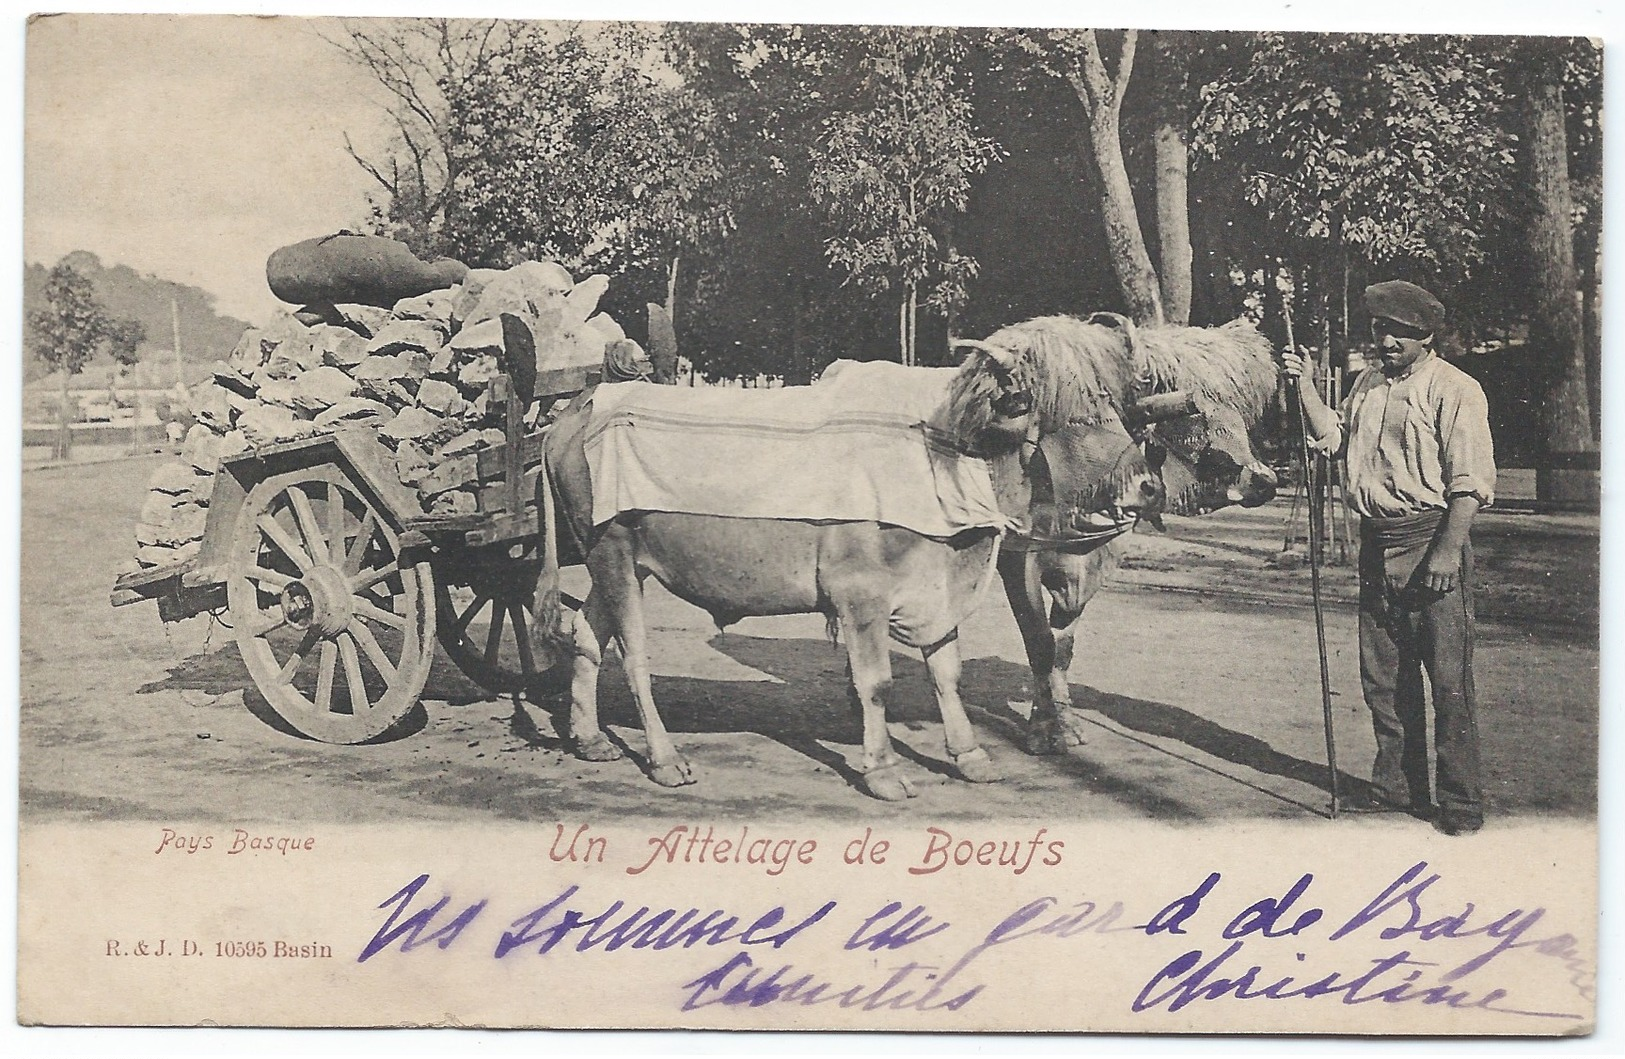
<point>322,600</point>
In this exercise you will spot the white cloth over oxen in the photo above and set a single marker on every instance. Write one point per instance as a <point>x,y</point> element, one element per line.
<point>855,447</point>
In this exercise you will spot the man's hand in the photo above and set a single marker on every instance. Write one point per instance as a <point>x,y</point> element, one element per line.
<point>1293,364</point>
<point>1440,569</point>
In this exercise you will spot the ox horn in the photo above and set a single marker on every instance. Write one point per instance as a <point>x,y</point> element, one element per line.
<point>1160,406</point>
<point>1005,358</point>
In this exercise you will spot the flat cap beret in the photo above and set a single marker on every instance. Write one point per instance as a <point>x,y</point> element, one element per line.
<point>1405,303</point>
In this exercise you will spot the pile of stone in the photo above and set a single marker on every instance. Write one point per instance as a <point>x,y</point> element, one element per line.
<point>418,374</point>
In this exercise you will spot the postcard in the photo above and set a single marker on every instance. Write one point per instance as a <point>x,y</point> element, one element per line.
<point>708,525</point>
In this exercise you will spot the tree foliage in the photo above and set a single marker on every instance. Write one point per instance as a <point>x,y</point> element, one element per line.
<point>73,327</point>
<point>570,145</point>
<point>1393,147</point>
<point>421,65</point>
<point>809,177</point>
<point>892,164</point>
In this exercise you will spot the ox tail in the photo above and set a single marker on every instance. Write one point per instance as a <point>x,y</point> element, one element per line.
<point>547,621</point>
<point>832,628</point>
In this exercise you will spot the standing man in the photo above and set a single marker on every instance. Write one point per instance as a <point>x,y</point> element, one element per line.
<point>1420,465</point>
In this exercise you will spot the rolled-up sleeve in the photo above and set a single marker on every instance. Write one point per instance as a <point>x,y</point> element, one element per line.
<point>1466,450</point>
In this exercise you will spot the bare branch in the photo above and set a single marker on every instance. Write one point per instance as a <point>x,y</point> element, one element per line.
<point>367,166</point>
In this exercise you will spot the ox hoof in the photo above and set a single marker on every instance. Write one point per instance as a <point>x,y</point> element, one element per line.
<point>598,748</point>
<point>976,766</point>
<point>1046,737</point>
<point>1072,728</point>
<point>888,783</point>
<point>672,774</point>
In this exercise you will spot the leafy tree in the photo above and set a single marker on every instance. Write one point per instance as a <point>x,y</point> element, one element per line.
<point>71,330</point>
<point>422,64</point>
<point>574,146</point>
<point>1389,146</point>
<point>892,166</point>
<point>767,299</point>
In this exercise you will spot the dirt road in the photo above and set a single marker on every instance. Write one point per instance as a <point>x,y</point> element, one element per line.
<point>1199,672</point>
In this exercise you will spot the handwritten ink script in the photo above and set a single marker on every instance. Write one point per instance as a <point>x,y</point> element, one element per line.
<point>1413,940</point>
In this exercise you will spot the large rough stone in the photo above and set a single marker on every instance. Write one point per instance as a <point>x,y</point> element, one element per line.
<point>449,474</point>
<point>605,325</point>
<point>202,449</point>
<point>211,406</point>
<point>582,301</point>
<point>177,478</point>
<point>159,508</point>
<point>249,353</point>
<point>412,424</point>
<point>317,314</point>
<point>321,388</point>
<point>183,523</point>
<point>232,443</point>
<point>230,378</point>
<point>461,445</point>
<point>502,293</point>
<point>482,337</point>
<point>456,502</point>
<point>390,391</point>
<point>491,437</point>
<point>162,555</point>
<point>542,278</point>
<point>364,320</point>
<point>340,347</point>
<point>293,355</point>
<point>478,373</point>
<point>435,305</point>
<point>280,391</point>
<point>422,336</point>
<point>574,346</point>
<point>411,463</point>
<point>439,397</point>
<point>353,411</point>
<point>265,424</point>
<point>386,367</point>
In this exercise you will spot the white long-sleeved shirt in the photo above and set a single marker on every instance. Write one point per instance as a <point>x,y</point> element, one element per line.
<point>1414,440</point>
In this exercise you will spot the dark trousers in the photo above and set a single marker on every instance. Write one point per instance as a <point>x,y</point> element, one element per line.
<point>1403,629</point>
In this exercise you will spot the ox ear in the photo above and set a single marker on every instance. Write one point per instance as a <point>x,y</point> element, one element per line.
<point>1117,322</point>
<point>1003,357</point>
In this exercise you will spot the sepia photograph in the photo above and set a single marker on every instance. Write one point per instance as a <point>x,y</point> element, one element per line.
<point>809,526</point>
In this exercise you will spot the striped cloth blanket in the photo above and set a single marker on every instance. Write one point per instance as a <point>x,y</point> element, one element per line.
<point>853,447</point>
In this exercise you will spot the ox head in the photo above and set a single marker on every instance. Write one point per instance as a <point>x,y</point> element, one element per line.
<point>1052,404</point>
<point>1200,445</point>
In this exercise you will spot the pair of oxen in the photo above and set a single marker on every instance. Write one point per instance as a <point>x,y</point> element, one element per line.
<point>1086,426</point>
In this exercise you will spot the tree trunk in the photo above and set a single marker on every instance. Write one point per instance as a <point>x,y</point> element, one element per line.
<point>1102,99</point>
<point>799,371</point>
<point>913,325</point>
<point>64,435</point>
<point>1174,221</point>
<point>1173,176</point>
<point>1557,328</point>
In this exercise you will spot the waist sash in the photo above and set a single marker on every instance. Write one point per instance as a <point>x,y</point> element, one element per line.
<point>1402,532</point>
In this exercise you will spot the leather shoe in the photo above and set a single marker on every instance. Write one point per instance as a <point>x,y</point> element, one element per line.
<point>1371,800</point>
<point>1457,822</point>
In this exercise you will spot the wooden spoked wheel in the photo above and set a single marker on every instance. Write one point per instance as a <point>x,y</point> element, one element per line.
<point>335,629</point>
<point>484,607</point>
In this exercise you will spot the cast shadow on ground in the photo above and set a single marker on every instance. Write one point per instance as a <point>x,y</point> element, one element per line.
<point>807,707</point>
<point>221,672</point>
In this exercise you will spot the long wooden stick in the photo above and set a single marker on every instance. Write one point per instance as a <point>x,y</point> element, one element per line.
<point>1314,578</point>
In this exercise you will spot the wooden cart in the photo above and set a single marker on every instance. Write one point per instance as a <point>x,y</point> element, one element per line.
<point>337,585</point>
